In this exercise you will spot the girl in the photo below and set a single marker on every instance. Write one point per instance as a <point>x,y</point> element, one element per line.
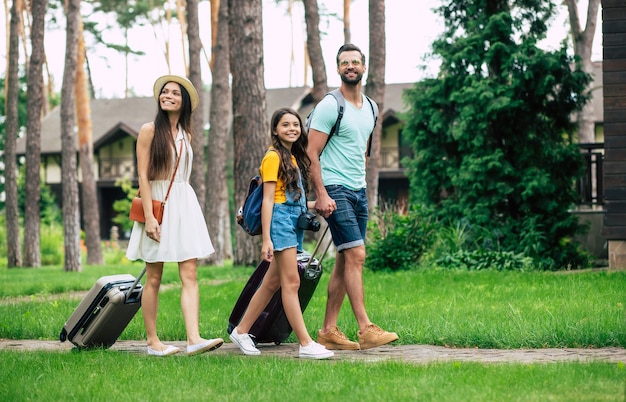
<point>284,169</point>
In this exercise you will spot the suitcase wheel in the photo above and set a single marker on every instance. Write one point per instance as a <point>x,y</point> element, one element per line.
<point>63,335</point>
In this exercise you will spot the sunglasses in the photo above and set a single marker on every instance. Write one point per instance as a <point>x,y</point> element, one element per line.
<point>346,63</point>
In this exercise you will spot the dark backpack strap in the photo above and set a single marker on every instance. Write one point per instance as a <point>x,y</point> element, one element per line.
<point>374,107</point>
<point>341,106</point>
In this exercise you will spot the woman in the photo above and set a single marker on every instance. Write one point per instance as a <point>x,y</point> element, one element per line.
<point>284,169</point>
<point>182,236</point>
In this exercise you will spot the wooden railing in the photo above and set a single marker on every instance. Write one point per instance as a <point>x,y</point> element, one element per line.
<point>115,168</point>
<point>589,186</point>
<point>391,157</point>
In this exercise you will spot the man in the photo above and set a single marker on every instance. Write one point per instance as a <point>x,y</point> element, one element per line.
<point>338,178</point>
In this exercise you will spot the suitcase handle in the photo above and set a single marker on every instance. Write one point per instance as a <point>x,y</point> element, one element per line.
<point>130,291</point>
<point>317,247</point>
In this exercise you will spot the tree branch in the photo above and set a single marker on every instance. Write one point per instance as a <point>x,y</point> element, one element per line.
<point>592,20</point>
<point>574,20</point>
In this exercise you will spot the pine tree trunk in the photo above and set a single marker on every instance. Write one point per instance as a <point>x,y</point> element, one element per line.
<point>32,253</point>
<point>250,126</point>
<point>376,90</point>
<point>14,254</point>
<point>195,76</point>
<point>71,209</point>
<point>217,206</point>
<point>347,37</point>
<point>314,49</point>
<point>90,206</point>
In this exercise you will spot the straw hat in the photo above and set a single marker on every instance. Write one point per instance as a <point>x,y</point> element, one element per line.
<point>161,81</point>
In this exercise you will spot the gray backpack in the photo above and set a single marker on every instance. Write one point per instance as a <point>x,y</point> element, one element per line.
<point>341,105</point>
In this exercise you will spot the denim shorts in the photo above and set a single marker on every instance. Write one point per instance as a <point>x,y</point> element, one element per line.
<point>348,223</point>
<point>284,231</point>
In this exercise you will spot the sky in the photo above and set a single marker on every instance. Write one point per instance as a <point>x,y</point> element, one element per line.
<point>411,26</point>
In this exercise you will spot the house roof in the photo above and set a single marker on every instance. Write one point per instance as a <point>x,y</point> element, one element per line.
<point>106,115</point>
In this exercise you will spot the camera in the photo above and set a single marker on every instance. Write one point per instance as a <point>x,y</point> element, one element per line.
<point>307,221</point>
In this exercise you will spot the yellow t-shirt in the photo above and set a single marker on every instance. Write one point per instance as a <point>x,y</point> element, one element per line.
<point>269,172</point>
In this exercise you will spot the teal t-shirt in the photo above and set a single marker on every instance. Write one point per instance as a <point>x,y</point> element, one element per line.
<point>343,159</point>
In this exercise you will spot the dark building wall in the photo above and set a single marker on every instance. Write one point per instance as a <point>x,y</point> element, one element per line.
<point>614,82</point>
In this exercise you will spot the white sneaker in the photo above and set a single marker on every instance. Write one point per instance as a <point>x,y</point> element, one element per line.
<point>315,351</point>
<point>244,342</point>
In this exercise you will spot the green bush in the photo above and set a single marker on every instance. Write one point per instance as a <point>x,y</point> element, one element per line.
<point>397,241</point>
<point>477,260</point>
<point>3,239</point>
<point>123,206</point>
<point>473,248</point>
<point>114,254</point>
<point>568,254</point>
<point>452,238</point>
<point>49,210</point>
<point>51,244</point>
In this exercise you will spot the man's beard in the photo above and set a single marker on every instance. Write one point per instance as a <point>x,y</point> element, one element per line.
<point>353,81</point>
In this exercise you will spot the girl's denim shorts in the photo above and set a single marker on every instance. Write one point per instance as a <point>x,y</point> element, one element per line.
<point>284,230</point>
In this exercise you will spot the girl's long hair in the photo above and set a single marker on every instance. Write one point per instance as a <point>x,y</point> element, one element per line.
<point>163,146</point>
<point>287,172</point>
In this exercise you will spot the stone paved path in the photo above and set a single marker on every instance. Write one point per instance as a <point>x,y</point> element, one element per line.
<point>419,354</point>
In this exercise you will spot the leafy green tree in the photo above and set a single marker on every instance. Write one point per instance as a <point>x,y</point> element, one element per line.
<point>492,134</point>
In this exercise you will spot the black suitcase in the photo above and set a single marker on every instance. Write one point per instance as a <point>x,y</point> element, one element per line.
<point>104,312</point>
<point>272,325</point>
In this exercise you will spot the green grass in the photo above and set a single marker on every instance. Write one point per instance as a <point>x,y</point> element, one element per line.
<point>52,279</point>
<point>484,309</point>
<point>107,375</point>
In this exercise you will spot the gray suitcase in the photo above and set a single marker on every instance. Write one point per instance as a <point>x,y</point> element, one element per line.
<point>105,312</point>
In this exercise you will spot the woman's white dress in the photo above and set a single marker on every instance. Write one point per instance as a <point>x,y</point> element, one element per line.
<point>184,232</point>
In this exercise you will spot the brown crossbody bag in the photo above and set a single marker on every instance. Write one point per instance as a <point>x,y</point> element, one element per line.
<point>158,207</point>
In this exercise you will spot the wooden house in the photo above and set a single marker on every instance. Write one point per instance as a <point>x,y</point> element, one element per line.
<point>116,124</point>
<point>614,83</point>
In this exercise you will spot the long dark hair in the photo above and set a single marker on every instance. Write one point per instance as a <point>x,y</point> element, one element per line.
<point>162,146</point>
<point>287,172</point>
